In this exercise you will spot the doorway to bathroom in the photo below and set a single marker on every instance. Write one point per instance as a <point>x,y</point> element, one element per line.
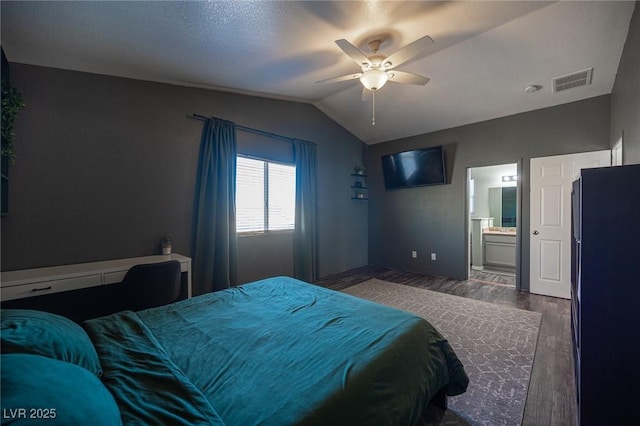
<point>493,209</point>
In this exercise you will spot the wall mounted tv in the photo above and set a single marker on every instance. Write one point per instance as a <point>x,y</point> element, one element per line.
<point>414,168</point>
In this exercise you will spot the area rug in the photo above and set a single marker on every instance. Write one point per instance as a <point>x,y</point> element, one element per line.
<point>496,344</point>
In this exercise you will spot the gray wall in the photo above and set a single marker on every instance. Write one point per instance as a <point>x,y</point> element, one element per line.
<point>106,166</point>
<point>625,97</point>
<point>433,219</point>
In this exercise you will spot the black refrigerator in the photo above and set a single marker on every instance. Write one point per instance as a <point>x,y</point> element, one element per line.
<point>605,300</point>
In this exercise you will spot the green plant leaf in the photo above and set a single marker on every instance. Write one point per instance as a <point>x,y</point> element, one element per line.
<point>12,103</point>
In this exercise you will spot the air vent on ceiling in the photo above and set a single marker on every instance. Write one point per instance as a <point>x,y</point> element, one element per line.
<point>569,81</point>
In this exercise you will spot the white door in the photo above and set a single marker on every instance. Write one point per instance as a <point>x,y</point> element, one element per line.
<point>550,239</point>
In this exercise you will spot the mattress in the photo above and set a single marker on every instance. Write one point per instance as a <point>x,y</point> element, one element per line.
<point>274,352</point>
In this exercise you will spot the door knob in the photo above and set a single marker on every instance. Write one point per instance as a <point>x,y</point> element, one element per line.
<point>536,232</point>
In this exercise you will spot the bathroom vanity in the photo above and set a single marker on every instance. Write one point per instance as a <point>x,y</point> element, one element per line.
<point>499,249</point>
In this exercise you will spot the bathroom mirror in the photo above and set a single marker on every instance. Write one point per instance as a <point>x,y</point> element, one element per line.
<point>502,206</point>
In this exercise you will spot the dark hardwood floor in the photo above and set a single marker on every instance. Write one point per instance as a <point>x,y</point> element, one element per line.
<point>551,397</point>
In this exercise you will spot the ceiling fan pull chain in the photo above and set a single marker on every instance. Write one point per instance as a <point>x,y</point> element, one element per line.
<point>373,119</point>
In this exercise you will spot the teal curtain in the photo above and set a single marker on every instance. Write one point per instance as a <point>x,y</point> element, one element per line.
<point>214,238</point>
<point>305,239</point>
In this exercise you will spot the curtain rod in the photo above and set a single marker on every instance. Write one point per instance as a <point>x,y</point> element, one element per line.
<point>250,129</point>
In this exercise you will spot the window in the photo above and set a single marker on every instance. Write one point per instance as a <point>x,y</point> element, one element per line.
<point>265,195</point>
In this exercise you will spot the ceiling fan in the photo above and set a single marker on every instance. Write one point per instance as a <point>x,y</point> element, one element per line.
<point>378,69</point>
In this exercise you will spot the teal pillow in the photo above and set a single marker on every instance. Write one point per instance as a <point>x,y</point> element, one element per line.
<point>26,331</point>
<point>39,390</point>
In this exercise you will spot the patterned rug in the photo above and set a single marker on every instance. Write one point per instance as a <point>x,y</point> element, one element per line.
<point>496,344</point>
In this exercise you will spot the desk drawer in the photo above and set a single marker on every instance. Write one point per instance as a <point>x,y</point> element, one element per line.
<point>114,277</point>
<point>48,287</point>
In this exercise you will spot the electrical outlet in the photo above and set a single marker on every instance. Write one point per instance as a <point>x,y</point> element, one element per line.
<point>433,256</point>
<point>414,254</point>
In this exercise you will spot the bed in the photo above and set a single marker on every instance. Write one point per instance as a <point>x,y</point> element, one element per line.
<point>273,352</point>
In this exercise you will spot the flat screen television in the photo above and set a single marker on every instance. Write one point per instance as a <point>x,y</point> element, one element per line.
<point>414,168</point>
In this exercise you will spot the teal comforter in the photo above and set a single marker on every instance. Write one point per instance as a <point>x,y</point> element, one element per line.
<point>274,352</point>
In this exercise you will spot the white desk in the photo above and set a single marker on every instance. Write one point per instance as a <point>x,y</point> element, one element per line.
<point>56,279</point>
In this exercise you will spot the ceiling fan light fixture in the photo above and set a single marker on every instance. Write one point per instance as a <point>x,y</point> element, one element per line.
<point>374,79</point>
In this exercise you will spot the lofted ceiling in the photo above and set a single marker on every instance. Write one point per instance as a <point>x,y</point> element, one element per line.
<point>484,54</point>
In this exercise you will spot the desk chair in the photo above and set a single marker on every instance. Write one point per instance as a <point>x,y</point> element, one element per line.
<point>150,285</point>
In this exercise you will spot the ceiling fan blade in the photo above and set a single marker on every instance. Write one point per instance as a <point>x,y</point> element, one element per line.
<point>407,77</point>
<point>341,78</point>
<point>353,52</point>
<point>409,51</point>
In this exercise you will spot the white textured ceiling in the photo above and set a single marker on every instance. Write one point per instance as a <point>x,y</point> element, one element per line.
<point>485,53</point>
